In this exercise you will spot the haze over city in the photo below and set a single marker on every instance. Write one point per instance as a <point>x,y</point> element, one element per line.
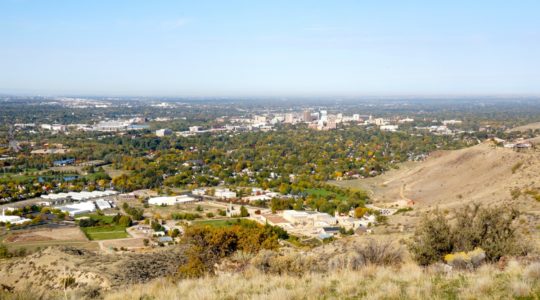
<point>272,48</point>
<point>269,149</point>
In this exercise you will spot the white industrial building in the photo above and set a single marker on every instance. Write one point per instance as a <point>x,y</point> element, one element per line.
<point>391,128</point>
<point>257,198</point>
<point>295,216</point>
<point>79,196</point>
<point>199,192</point>
<point>317,219</point>
<point>12,219</point>
<point>112,126</point>
<point>103,204</point>
<point>78,208</point>
<point>163,132</point>
<point>225,194</point>
<point>171,200</point>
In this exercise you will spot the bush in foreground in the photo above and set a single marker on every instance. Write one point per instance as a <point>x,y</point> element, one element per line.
<point>207,245</point>
<point>492,229</point>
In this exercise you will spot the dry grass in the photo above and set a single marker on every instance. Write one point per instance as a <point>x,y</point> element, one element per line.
<point>370,282</point>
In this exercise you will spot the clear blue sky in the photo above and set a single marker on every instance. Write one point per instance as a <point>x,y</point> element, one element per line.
<point>272,48</point>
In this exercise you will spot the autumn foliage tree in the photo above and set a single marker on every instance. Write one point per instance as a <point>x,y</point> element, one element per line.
<point>207,244</point>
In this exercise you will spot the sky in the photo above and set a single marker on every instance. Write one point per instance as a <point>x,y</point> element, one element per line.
<point>270,48</point>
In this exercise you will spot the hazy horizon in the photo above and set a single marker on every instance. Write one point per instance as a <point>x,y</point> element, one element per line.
<point>270,49</point>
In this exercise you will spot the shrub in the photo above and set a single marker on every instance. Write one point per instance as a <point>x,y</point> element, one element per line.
<point>404,209</point>
<point>4,252</point>
<point>515,193</point>
<point>491,229</point>
<point>380,253</point>
<point>371,252</point>
<point>532,271</point>
<point>89,222</point>
<point>516,167</point>
<point>344,231</point>
<point>432,239</point>
<point>67,282</point>
<point>292,263</point>
<point>466,260</point>
<point>185,216</point>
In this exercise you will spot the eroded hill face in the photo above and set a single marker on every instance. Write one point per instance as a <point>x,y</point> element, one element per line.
<point>450,179</point>
<point>483,173</point>
<point>45,270</point>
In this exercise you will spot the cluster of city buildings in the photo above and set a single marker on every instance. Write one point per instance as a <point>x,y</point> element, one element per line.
<point>196,130</point>
<point>101,126</point>
<point>222,193</point>
<point>77,203</point>
<point>318,224</point>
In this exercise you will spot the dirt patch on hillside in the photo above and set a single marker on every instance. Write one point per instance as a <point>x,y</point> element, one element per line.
<point>91,271</point>
<point>56,234</point>
<point>450,179</point>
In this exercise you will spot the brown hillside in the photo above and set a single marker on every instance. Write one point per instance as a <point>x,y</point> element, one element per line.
<point>449,179</point>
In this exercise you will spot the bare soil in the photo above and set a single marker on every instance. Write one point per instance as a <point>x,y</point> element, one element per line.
<point>450,179</point>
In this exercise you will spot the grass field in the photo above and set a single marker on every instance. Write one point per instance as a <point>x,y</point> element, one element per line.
<point>104,219</point>
<point>324,193</point>
<point>20,178</point>
<point>105,232</point>
<point>216,223</point>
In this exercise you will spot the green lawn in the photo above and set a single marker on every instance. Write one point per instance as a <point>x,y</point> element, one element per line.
<point>216,223</point>
<point>15,178</point>
<point>104,219</point>
<point>21,178</point>
<point>105,232</point>
<point>323,193</point>
<point>96,176</point>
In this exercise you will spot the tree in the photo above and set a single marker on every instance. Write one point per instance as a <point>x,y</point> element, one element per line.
<point>359,212</point>
<point>432,239</point>
<point>243,212</point>
<point>124,221</point>
<point>343,208</point>
<point>174,233</point>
